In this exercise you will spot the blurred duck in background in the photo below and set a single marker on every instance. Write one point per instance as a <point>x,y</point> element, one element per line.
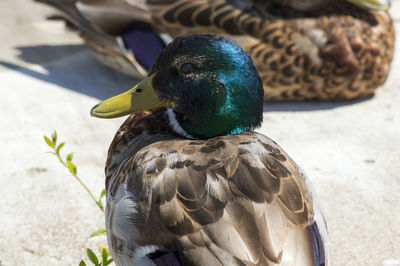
<point>303,49</point>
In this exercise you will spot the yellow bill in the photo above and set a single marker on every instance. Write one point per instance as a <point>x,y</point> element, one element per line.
<point>372,4</point>
<point>139,98</point>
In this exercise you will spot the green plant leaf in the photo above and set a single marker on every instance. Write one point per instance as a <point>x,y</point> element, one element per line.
<point>98,232</point>
<point>70,156</point>
<point>92,257</point>
<point>102,246</point>
<point>49,142</point>
<point>102,194</point>
<point>100,204</point>
<point>54,137</point>
<point>72,168</point>
<point>82,263</point>
<point>108,262</point>
<point>104,256</point>
<point>59,147</point>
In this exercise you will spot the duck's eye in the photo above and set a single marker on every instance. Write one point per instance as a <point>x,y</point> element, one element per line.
<point>187,68</point>
<point>139,90</point>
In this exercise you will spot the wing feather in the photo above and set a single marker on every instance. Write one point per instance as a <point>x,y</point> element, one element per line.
<point>237,198</point>
<point>231,200</point>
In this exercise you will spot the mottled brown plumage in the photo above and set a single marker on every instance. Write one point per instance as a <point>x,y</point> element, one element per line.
<point>334,51</point>
<point>188,180</point>
<point>229,200</point>
<point>304,50</point>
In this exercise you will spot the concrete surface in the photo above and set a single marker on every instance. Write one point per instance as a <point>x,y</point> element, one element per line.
<point>49,80</point>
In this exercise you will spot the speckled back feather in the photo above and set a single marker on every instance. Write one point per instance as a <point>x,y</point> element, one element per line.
<point>315,50</point>
<point>334,52</point>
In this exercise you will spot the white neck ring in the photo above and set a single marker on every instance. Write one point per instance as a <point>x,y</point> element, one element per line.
<point>176,126</point>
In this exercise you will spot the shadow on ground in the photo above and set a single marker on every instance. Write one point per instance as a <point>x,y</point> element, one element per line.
<point>41,54</point>
<point>75,68</point>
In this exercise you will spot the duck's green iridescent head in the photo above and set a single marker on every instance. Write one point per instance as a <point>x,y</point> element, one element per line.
<point>209,82</point>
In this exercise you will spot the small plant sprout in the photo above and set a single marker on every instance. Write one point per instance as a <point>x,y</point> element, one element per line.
<point>105,260</point>
<point>72,167</point>
<point>104,251</point>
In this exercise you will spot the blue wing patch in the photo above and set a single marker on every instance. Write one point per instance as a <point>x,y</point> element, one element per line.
<point>145,45</point>
<point>318,245</point>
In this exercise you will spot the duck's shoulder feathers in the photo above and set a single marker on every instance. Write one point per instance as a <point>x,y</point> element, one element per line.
<point>230,198</point>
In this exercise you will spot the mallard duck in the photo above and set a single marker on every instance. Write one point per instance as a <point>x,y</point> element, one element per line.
<point>304,50</point>
<point>189,182</point>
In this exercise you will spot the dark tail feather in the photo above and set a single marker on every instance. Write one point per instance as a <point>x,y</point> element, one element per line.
<point>71,14</point>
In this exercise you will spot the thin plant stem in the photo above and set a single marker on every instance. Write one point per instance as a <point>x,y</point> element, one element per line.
<point>98,203</point>
<point>71,167</point>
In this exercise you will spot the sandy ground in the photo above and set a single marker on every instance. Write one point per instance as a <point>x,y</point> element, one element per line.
<point>49,80</point>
